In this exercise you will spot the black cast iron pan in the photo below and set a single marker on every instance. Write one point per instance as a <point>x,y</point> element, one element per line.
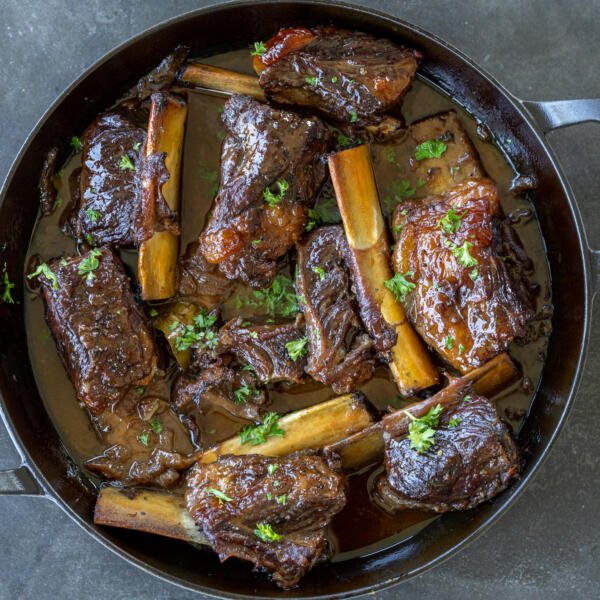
<point>47,470</point>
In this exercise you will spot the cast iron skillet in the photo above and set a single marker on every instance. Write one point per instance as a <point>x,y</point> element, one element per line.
<point>519,127</point>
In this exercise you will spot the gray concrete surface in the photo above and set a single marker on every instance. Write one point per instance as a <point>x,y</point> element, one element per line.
<point>547,545</point>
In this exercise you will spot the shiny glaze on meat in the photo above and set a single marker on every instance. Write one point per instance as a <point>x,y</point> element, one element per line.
<point>297,498</point>
<point>349,76</point>
<point>245,235</point>
<point>467,314</point>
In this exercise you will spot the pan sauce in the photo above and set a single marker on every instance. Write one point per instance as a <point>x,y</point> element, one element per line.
<point>349,532</point>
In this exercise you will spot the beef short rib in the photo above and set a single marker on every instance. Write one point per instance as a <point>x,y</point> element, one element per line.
<point>269,511</point>
<point>340,352</point>
<point>265,151</point>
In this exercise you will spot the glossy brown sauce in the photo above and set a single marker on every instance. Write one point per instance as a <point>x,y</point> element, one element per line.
<point>362,527</point>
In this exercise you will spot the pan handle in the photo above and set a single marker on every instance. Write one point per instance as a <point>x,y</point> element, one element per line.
<point>19,481</point>
<point>561,113</point>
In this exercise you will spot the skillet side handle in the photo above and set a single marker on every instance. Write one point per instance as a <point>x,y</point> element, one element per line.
<point>19,481</point>
<point>561,113</point>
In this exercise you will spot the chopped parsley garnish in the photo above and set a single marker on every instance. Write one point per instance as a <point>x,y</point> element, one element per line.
<point>89,264</point>
<point>156,425</point>
<point>421,432</point>
<point>256,242</point>
<point>126,164</point>
<point>137,146</point>
<point>462,253</point>
<point>153,312</point>
<point>273,199</point>
<point>259,49</point>
<point>313,220</point>
<point>320,271</point>
<point>343,140</point>
<point>461,349</point>
<point>219,494</point>
<point>258,434</point>
<point>451,221</point>
<point>449,342</point>
<point>282,499</point>
<point>398,229</point>
<point>312,80</point>
<point>6,294</point>
<point>93,215</point>
<point>248,367</point>
<point>243,394</point>
<point>334,79</point>
<point>454,422</point>
<point>272,468</point>
<point>297,348</point>
<point>400,286</point>
<point>90,239</point>
<point>44,269</point>
<point>269,496</point>
<point>199,333</point>
<point>278,300</point>
<point>254,335</point>
<point>474,274</point>
<point>467,398</point>
<point>76,143</point>
<point>144,437</point>
<point>430,149</point>
<point>140,390</point>
<point>353,116</point>
<point>266,533</point>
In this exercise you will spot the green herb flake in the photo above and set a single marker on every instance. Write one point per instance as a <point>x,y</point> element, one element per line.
<point>343,140</point>
<point>219,494</point>
<point>93,215</point>
<point>8,286</point>
<point>467,398</point>
<point>400,286</point>
<point>153,312</point>
<point>140,390</point>
<point>272,468</point>
<point>156,425</point>
<point>282,499</point>
<point>89,264</point>
<point>258,434</point>
<point>254,335</point>
<point>259,49</point>
<point>474,274</point>
<point>144,438</point>
<point>273,199</point>
<point>269,496</point>
<point>256,242</point>
<point>451,221</point>
<point>311,80</point>
<point>421,431</point>
<point>266,533</point>
<point>44,269</point>
<point>454,422</point>
<point>199,334</point>
<point>462,253</point>
<point>320,271</point>
<point>297,348</point>
<point>243,394</point>
<point>278,300</point>
<point>126,164</point>
<point>430,149</point>
<point>449,342</point>
<point>461,349</point>
<point>76,143</point>
<point>137,146</point>
<point>334,79</point>
<point>353,116</point>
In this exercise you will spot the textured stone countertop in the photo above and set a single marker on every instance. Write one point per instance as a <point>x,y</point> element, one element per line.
<point>546,546</point>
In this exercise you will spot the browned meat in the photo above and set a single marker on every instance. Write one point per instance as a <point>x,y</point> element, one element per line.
<point>473,458</point>
<point>349,76</point>
<point>270,511</point>
<point>340,352</point>
<point>265,349</point>
<point>199,281</point>
<point>216,384</point>
<point>272,166</point>
<point>109,202</point>
<point>101,333</point>
<point>470,299</point>
<point>109,353</point>
<point>412,178</point>
<point>46,187</point>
